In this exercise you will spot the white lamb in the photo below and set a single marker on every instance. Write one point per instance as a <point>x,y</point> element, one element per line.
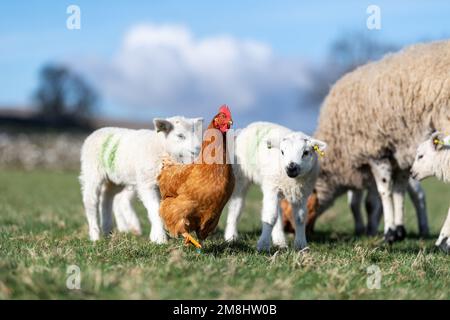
<point>433,159</point>
<point>285,164</point>
<point>115,158</point>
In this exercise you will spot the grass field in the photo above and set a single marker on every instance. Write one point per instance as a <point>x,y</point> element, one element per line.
<point>43,231</point>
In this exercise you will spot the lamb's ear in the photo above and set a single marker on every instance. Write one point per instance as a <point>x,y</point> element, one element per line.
<point>162,125</point>
<point>318,146</point>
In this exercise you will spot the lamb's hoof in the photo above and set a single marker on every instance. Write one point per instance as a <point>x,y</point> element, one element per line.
<point>445,246</point>
<point>232,237</point>
<point>371,232</point>
<point>300,246</point>
<point>424,234</point>
<point>158,238</point>
<point>359,231</point>
<point>389,236</point>
<point>263,245</point>
<point>400,233</point>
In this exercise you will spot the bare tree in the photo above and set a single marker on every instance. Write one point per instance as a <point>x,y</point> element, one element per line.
<point>345,54</point>
<point>63,94</point>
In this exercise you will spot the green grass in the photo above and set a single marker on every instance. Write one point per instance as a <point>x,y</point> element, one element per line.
<point>43,231</point>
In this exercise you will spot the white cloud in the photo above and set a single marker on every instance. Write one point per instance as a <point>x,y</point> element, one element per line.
<point>165,67</point>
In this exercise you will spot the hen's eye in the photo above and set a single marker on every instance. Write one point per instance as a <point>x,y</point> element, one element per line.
<point>181,136</point>
<point>305,153</point>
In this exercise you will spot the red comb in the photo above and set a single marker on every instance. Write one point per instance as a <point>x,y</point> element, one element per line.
<point>224,109</point>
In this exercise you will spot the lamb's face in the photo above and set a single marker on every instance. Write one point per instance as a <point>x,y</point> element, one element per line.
<point>423,162</point>
<point>298,156</point>
<point>183,137</point>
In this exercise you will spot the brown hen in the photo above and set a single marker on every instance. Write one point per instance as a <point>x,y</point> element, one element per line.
<point>194,195</point>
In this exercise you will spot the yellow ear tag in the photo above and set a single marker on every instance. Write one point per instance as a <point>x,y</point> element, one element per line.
<point>319,152</point>
<point>437,141</point>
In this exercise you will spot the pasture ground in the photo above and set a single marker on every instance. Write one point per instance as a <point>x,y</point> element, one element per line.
<point>43,231</point>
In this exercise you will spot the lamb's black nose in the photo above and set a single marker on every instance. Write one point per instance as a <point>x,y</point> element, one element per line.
<point>291,166</point>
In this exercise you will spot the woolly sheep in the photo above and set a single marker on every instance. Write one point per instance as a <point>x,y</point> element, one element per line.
<point>433,159</point>
<point>285,164</point>
<point>374,118</point>
<point>114,158</point>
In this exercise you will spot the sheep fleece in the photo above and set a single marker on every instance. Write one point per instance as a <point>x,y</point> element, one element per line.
<point>385,108</point>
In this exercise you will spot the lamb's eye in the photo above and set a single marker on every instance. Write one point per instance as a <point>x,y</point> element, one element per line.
<point>305,153</point>
<point>282,152</point>
<point>181,136</point>
<point>420,156</point>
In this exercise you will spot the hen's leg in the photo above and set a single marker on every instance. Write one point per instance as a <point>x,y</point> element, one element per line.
<point>444,236</point>
<point>150,197</point>
<point>382,173</point>
<point>417,195</point>
<point>235,206</point>
<point>354,198</point>
<point>269,216</point>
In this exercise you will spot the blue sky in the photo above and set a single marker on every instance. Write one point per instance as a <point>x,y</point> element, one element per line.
<point>34,32</point>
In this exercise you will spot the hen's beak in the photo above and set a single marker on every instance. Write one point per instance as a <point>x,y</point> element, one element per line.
<point>230,123</point>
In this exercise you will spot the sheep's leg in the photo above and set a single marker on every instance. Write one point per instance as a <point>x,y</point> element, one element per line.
<point>299,210</point>
<point>417,195</point>
<point>91,199</point>
<point>354,198</point>
<point>382,173</point>
<point>399,190</point>
<point>278,237</point>
<point>235,206</point>
<point>107,196</point>
<point>150,197</point>
<point>126,218</point>
<point>269,216</point>
<point>443,241</point>
<point>374,210</point>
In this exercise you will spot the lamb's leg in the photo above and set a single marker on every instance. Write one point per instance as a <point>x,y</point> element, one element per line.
<point>278,237</point>
<point>235,206</point>
<point>417,195</point>
<point>150,197</point>
<point>119,215</point>
<point>299,210</point>
<point>108,193</point>
<point>126,218</point>
<point>91,199</point>
<point>354,198</point>
<point>374,210</point>
<point>269,216</point>
<point>399,190</point>
<point>382,173</point>
<point>443,241</point>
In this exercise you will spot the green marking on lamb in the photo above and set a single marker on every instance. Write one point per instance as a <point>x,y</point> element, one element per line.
<point>108,155</point>
<point>104,148</point>
<point>112,157</point>
<point>252,151</point>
